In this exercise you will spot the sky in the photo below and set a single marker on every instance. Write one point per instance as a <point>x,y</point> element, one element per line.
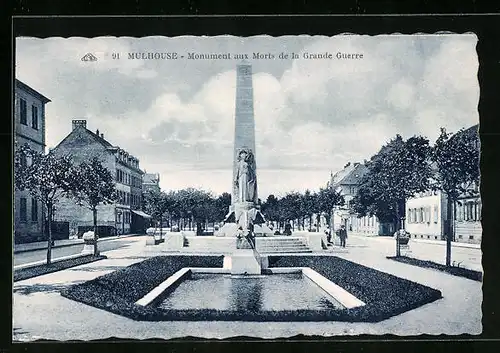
<point>312,116</point>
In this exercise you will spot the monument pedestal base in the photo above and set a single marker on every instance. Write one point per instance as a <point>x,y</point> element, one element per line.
<point>243,262</point>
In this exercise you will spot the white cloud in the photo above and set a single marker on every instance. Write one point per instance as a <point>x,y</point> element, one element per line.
<point>312,116</point>
<point>401,95</point>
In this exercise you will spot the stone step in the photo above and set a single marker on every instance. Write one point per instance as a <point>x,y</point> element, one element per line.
<point>285,251</point>
<point>281,242</point>
<point>264,245</point>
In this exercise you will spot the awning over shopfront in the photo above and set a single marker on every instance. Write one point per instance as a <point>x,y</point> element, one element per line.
<point>141,214</point>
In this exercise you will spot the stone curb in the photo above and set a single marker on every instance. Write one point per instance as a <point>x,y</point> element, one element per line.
<point>43,262</point>
<point>416,240</point>
<point>79,242</point>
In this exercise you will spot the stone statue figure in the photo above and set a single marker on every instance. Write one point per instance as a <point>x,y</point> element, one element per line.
<point>245,178</point>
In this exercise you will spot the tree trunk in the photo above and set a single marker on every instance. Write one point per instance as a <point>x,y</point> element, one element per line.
<point>49,233</point>
<point>398,247</point>
<point>330,225</point>
<point>161,226</point>
<point>94,216</point>
<point>450,230</point>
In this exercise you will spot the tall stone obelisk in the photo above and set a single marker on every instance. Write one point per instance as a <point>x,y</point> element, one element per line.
<point>244,123</point>
<point>244,214</point>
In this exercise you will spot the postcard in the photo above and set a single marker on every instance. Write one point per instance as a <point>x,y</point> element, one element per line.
<point>224,186</point>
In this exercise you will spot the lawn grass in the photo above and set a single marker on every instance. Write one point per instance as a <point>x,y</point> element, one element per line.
<point>452,270</point>
<point>385,295</point>
<point>30,272</point>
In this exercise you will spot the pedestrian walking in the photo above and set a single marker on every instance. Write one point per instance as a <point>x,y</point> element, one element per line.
<point>342,235</point>
<point>328,233</point>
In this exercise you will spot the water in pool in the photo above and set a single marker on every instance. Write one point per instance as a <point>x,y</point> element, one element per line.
<point>254,293</point>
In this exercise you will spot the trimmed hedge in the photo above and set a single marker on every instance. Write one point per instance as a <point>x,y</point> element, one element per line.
<point>385,295</point>
<point>118,291</point>
<point>30,272</point>
<point>453,270</point>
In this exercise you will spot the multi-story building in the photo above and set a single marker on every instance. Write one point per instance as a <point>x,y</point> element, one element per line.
<point>467,221</point>
<point>347,181</point>
<point>467,211</point>
<point>29,128</point>
<point>116,218</point>
<point>150,182</point>
<point>429,215</point>
<point>426,215</point>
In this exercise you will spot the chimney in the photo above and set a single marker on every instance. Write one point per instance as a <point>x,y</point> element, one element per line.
<point>102,136</point>
<point>78,123</point>
<point>97,132</point>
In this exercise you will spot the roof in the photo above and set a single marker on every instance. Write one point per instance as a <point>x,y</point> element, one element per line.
<point>351,174</point>
<point>102,141</point>
<point>354,177</point>
<point>149,178</point>
<point>140,213</point>
<point>32,91</point>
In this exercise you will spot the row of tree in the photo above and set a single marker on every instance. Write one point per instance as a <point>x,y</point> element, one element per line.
<point>403,168</point>
<point>191,207</point>
<point>48,178</point>
<point>295,208</point>
<point>186,208</point>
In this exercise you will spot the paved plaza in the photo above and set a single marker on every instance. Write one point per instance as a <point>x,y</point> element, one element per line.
<point>39,311</point>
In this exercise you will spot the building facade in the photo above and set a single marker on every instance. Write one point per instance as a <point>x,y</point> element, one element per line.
<point>347,182</point>
<point>116,218</point>
<point>29,128</point>
<point>467,224</point>
<point>467,210</point>
<point>151,182</point>
<point>426,215</point>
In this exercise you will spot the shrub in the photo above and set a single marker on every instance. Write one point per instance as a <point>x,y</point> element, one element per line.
<point>455,271</point>
<point>385,295</point>
<point>30,272</point>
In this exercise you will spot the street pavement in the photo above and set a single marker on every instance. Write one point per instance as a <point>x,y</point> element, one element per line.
<point>39,311</point>
<point>39,255</point>
<point>467,257</point>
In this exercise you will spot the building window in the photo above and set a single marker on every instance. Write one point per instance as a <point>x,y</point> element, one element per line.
<point>23,111</point>
<point>22,210</point>
<point>436,214</point>
<point>34,117</point>
<point>34,210</point>
<point>469,211</point>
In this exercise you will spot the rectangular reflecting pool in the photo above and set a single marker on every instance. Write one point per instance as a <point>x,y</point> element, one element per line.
<point>248,293</point>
